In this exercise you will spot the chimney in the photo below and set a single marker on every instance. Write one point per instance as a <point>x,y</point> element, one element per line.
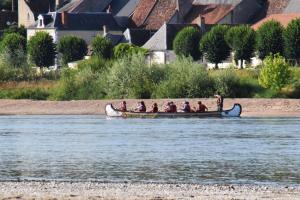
<point>109,9</point>
<point>64,18</point>
<point>177,5</point>
<point>105,30</point>
<point>201,23</point>
<point>12,6</point>
<point>58,3</point>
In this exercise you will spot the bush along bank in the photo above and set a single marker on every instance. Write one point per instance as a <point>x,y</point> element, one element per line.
<point>132,77</point>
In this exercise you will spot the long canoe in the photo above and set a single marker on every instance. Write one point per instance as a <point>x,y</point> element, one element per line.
<point>234,112</point>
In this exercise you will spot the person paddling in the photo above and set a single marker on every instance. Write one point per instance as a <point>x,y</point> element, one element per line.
<point>141,107</point>
<point>154,108</point>
<point>201,107</point>
<point>123,106</point>
<point>220,101</point>
<point>173,107</point>
<point>186,107</point>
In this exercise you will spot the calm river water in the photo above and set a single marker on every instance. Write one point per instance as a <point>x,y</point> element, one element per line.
<point>81,148</point>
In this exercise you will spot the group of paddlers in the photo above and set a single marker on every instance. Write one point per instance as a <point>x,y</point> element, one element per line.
<point>170,107</point>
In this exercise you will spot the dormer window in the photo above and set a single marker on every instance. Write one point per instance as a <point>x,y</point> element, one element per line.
<point>40,23</point>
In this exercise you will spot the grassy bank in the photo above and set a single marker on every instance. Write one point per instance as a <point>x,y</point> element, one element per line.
<point>133,78</point>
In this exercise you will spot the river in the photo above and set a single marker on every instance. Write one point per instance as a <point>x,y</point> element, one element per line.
<point>93,148</point>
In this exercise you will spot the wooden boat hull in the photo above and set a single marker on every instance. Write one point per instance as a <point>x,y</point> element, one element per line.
<point>234,112</point>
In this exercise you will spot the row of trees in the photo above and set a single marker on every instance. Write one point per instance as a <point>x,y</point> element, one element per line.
<point>216,45</point>
<point>42,51</point>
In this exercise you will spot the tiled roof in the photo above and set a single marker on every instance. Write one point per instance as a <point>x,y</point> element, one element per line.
<point>117,5</point>
<point>277,6</point>
<point>232,2</point>
<point>40,6</point>
<point>142,11</point>
<point>284,19</point>
<point>152,14</point>
<point>81,21</point>
<point>128,9</point>
<point>213,13</point>
<point>77,6</point>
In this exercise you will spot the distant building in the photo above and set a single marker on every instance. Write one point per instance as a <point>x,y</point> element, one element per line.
<point>84,25</point>
<point>284,19</point>
<point>28,10</point>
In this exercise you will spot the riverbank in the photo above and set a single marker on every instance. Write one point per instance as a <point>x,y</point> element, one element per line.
<point>127,191</point>
<point>251,107</point>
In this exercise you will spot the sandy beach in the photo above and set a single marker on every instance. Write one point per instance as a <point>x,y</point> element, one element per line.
<point>251,107</point>
<point>127,191</point>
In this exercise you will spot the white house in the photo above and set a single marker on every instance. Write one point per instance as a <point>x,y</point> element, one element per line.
<point>83,25</point>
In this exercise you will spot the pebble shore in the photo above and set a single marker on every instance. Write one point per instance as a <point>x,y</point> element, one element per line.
<point>150,191</point>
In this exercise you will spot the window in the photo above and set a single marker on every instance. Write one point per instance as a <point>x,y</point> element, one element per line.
<point>28,16</point>
<point>41,23</point>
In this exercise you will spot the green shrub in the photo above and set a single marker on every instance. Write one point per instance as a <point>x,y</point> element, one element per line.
<point>130,78</point>
<point>125,49</point>
<point>71,48</point>
<point>87,82</point>
<point>16,29</point>
<point>97,64</point>
<point>292,40</point>
<point>269,39</point>
<point>25,93</point>
<point>184,78</point>
<point>214,46</point>
<point>102,47</point>
<point>186,43</point>
<point>241,39</point>
<point>275,73</point>
<point>41,49</point>
<point>13,49</point>
<point>226,82</point>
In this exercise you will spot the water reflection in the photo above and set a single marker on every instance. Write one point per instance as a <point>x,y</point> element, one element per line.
<point>246,150</point>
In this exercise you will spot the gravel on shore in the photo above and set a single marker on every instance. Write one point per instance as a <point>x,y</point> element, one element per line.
<point>149,191</point>
<point>251,107</point>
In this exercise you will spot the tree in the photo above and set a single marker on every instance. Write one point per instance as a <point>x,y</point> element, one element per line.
<point>41,49</point>
<point>102,47</point>
<point>13,49</point>
<point>275,72</point>
<point>269,39</point>
<point>71,48</point>
<point>214,45</point>
<point>241,39</point>
<point>15,29</point>
<point>291,37</point>
<point>186,43</point>
<point>125,49</point>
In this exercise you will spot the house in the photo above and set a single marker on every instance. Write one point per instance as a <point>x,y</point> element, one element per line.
<point>84,25</point>
<point>152,14</point>
<point>161,43</point>
<point>283,19</point>
<point>128,9</point>
<point>79,6</point>
<point>28,10</point>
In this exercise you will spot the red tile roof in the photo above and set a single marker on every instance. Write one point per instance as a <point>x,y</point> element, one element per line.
<point>162,12</point>
<point>142,11</point>
<point>213,13</point>
<point>276,6</point>
<point>284,19</point>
